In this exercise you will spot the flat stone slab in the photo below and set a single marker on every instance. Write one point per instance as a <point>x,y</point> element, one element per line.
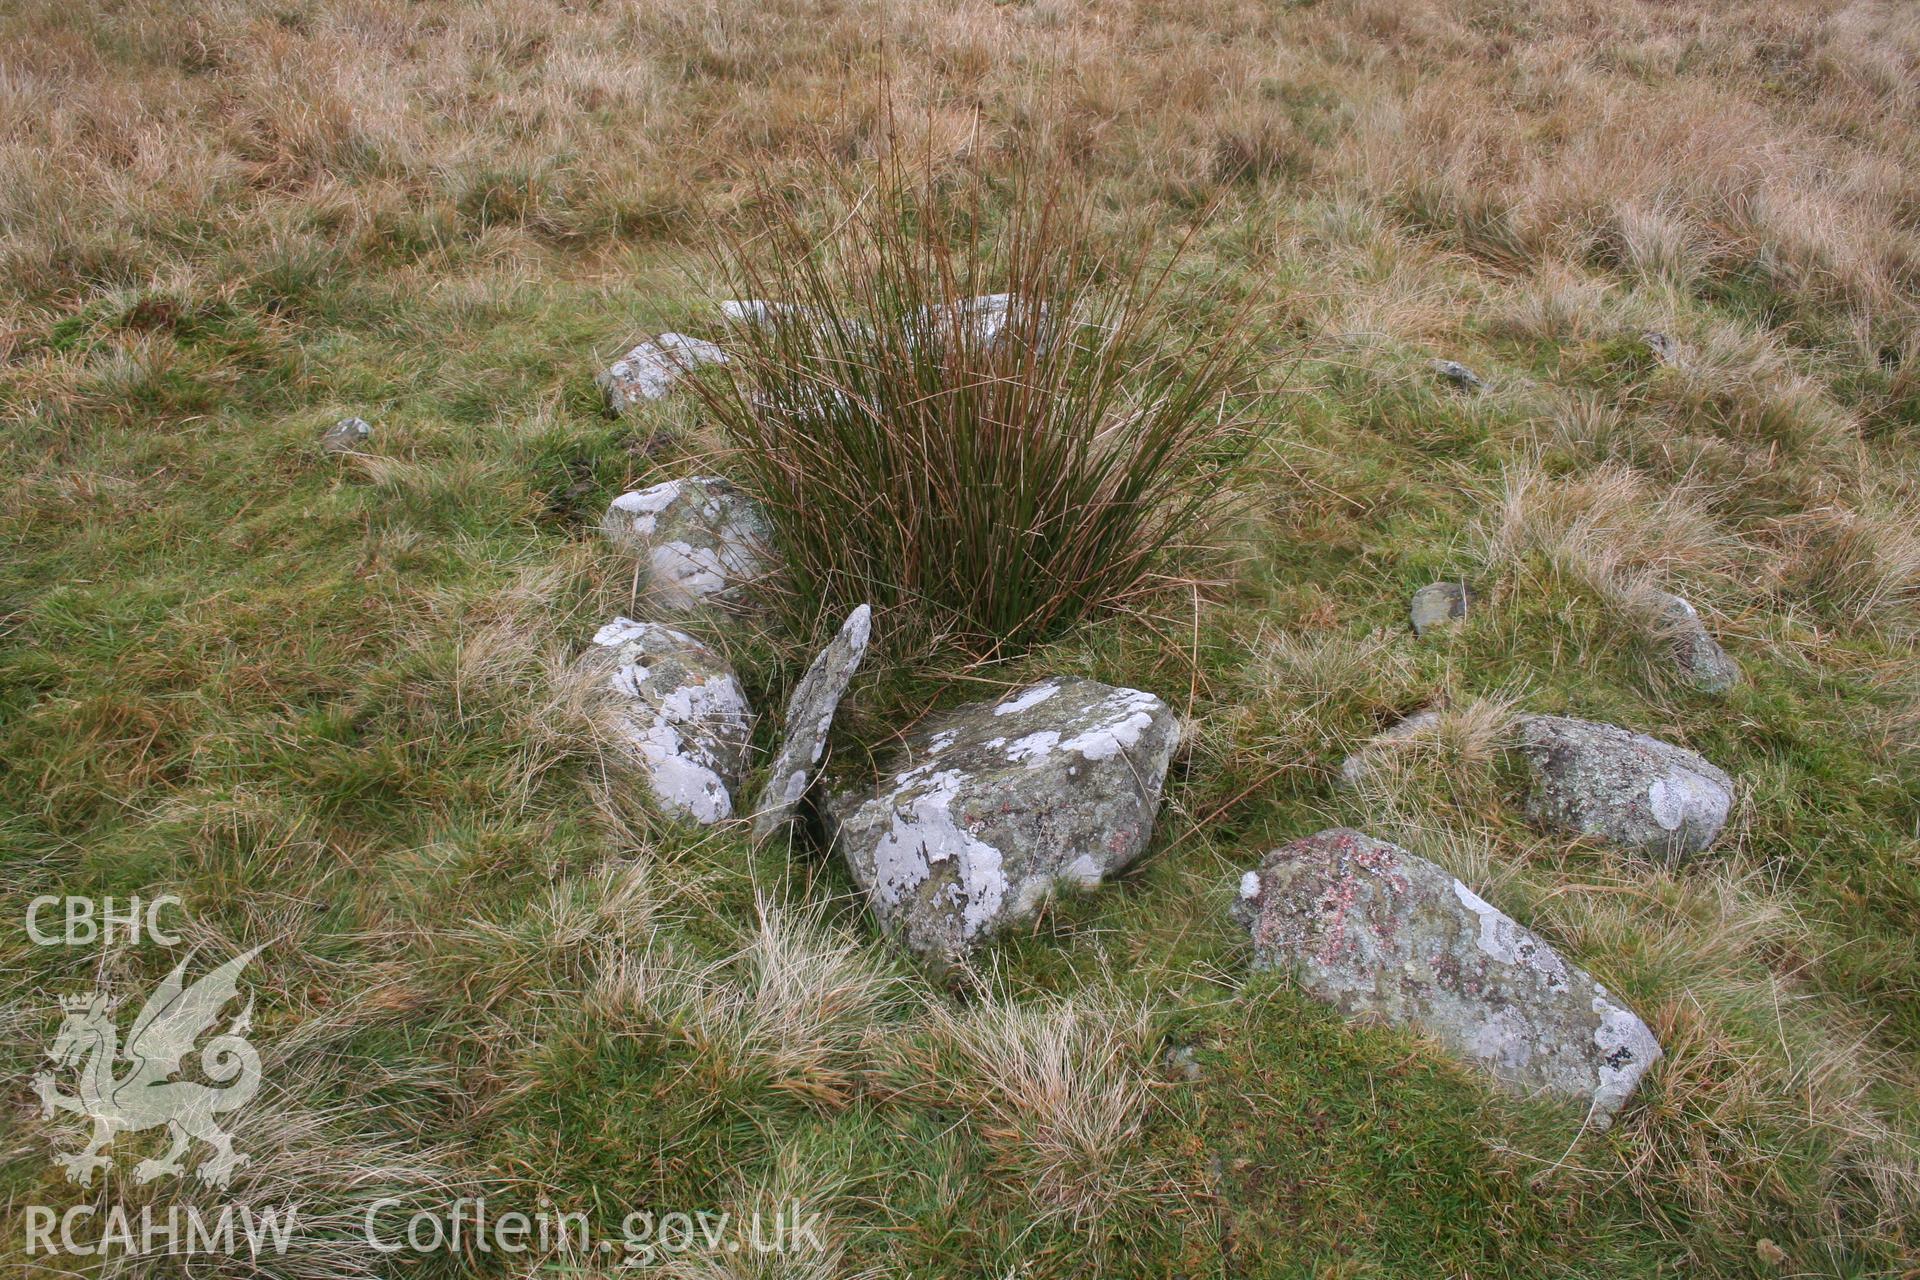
<point>1628,788</point>
<point>679,714</point>
<point>701,539</point>
<point>649,371</point>
<point>995,804</point>
<point>1375,931</point>
<point>809,718</point>
<point>1441,604</point>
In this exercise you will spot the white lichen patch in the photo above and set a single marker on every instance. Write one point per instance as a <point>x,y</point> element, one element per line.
<point>649,371</point>
<point>680,713</point>
<point>649,501</point>
<point>1250,885</point>
<point>681,783</point>
<point>1105,730</point>
<point>1503,939</point>
<point>1680,795</point>
<point>1502,1039</point>
<point>641,508</point>
<point>1130,714</point>
<point>630,678</point>
<point>625,631</point>
<point>684,770</point>
<point>698,571</point>
<point>1028,699</point>
<point>923,832</point>
<point>1034,746</point>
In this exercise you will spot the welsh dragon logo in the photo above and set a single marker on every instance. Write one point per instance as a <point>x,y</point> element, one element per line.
<point>143,1095</point>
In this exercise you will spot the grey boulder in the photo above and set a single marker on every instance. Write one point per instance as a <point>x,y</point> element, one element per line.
<point>676,712</point>
<point>1375,931</point>
<point>701,538</point>
<point>649,371</point>
<point>1698,655</point>
<point>1440,604</point>
<point>346,435</point>
<point>1457,374</point>
<point>1633,790</point>
<point>995,804</point>
<point>809,717</point>
<point>1661,347</point>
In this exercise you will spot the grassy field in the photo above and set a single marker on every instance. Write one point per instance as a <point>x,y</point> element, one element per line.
<point>317,699</point>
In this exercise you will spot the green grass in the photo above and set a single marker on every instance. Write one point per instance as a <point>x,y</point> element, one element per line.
<point>311,696</point>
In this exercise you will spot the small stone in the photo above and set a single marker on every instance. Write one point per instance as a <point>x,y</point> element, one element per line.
<point>1376,932</point>
<point>809,717</point>
<point>994,805</point>
<point>1662,348</point>
<point>750,311</point>
<point>702,539</point>
<point>679,714</point>
<point>649,371</point>
<point>1633,790</point>
<point>756,311</point>
<point>1440,604</point>
<point>1461,377</point>
<point>1699,656</point>
<point>1356,766</point>
<point>1181,1062</point>
<point>346,435</point>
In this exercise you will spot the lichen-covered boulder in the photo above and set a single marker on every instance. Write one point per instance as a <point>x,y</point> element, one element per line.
<point>1631,789</point>
<point>994,804</point>
<point>1440,604</point>
<point>676,711</point>
<point>701,538</point>
<point>649,371</point>
<point>1374,931</point>
<point>809,716</point>
<point>1698,655</point>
